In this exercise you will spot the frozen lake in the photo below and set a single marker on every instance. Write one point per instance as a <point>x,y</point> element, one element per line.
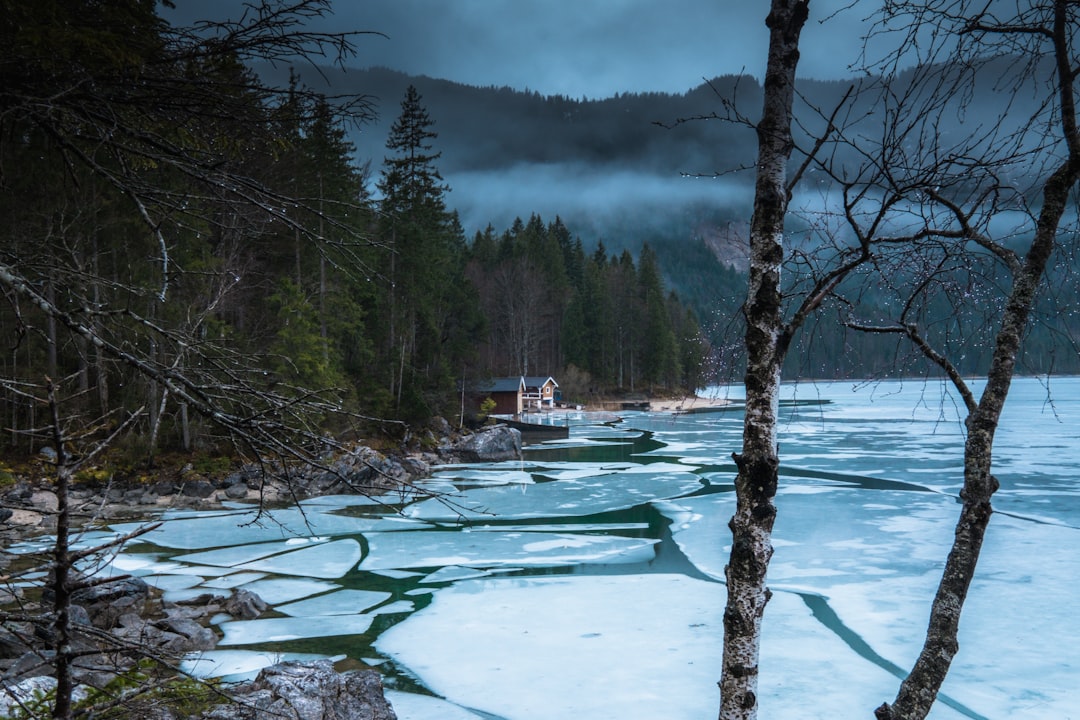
<point>586,581</point>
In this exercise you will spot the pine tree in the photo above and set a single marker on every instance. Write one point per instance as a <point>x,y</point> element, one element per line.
<point>425,268</point>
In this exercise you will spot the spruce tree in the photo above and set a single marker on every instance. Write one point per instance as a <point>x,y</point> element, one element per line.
<point>424,266</point>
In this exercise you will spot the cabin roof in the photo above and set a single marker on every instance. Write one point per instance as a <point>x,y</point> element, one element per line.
<point>502,384</point>
<point>538,381</point>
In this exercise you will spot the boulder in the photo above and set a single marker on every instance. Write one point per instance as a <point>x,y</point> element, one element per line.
<point>197,489</point>
<point>107,602</point>
<point>13,645</point>
<point>27,691</point>
<point>308,691</point>
<point>198,637</point>
<point>236,491</point>
<point>494,444</point>
<point>245,605</point>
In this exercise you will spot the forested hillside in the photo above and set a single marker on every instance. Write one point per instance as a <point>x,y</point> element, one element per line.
<point>669,170</point>
<point>192,253</point>
<point>185,237</point>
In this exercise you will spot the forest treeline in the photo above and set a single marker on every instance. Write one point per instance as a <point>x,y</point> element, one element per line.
<point>176,233</point>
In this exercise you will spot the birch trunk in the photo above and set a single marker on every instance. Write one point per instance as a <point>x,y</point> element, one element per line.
<point>61,583</point>
<point>919,690</point>
<point>758,464</point>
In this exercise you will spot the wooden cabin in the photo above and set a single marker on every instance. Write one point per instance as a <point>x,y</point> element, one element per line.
<point>515,395</point>
<point>540,393</point>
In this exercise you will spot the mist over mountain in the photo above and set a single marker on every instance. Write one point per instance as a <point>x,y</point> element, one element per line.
<point>634,168</point>
<point>605,166</point>
<point>622,169</point>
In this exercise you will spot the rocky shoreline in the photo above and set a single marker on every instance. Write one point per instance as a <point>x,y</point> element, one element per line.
<point>120,622</point>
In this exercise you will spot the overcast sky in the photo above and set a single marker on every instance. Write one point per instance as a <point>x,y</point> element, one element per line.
<point>590,48</point>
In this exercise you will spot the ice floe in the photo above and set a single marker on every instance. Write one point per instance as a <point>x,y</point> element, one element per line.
<point>493,549</point>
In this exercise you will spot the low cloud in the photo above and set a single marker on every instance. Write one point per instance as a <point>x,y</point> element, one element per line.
<point>590,199</point>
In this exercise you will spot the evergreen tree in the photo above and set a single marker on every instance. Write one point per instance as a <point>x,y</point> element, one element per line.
<point>425,267</point>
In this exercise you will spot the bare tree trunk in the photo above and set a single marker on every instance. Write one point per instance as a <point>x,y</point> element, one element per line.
<point>758,464</point>
<point>919,690</point>
<point>185,427</point>
<point>51,362</point>
<point>155,427</point>
<point>61,584</point>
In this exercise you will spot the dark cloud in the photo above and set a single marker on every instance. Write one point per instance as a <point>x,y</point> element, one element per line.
<point>578,48</point>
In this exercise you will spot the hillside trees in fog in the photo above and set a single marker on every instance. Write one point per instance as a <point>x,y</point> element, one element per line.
<point>516,149</point>
<point>169,241</point>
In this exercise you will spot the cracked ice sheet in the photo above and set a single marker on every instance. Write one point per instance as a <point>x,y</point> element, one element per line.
<point>342,602</point>
<point>226,529</point>
<point>269,630</point>
<point>477,476</point>
<point>493,549</point>
<point>240,554</point>
<point>562,498</point>
<point>327,561</point>
<point>616,647</point>
<point>282,590</point>
<point>876,557</point>
<point>411,706</point>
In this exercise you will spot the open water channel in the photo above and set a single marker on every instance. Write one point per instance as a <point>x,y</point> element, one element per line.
<point>587,580</point>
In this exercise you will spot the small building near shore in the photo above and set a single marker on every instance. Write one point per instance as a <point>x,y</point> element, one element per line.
<point>540,393</point>
<point>515,395</point>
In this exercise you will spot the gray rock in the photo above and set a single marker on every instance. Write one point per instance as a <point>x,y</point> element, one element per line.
<point>11,644</point>
<point>164,487</point>
<point>198,636</point>
<point>105,603</point>
<point>309,691</point>
<point>490,445</point>
<point>236,491</point>
<point>197,489</point>
<point>245,605</point>
<point>29,690</point>
<point>30,664</point>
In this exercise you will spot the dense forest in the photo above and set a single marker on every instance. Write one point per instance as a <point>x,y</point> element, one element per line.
<point>182,211</point>
<point>179,235</point>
